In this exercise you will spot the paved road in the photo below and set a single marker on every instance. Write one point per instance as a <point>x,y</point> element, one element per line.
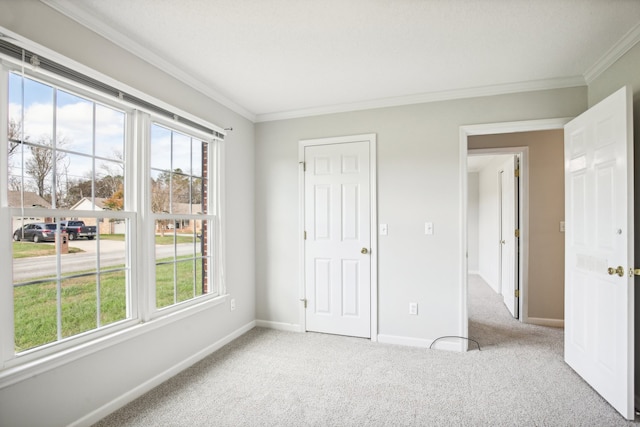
<point>111,254</point>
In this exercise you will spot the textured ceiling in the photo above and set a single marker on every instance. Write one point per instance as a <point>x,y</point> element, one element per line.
<point>268,57</point>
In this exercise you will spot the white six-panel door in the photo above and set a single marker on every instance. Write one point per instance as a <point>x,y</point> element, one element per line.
<point>337,247</point>
<point>599,304</point>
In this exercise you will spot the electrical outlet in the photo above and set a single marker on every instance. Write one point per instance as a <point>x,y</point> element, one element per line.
<point>232,303</point>
<point>413,308</point>
<point>428,228</point>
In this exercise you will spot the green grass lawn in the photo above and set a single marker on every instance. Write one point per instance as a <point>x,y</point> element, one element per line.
<point>35,309</point>
<point>29,249</point>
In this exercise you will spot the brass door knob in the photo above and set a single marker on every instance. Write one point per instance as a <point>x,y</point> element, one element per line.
<point>364,251</point>
<point>619,271</point>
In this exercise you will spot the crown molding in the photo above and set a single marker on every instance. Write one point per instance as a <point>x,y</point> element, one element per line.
<point>612,55</point>
<point>74,11</point>
<point>475,92</point>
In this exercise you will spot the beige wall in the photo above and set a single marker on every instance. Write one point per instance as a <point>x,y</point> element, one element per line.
<point>546,210</point>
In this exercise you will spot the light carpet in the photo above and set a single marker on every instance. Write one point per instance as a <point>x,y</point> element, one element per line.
<point>274,378</point>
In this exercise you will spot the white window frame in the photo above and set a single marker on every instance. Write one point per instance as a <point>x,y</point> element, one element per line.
<point>14,367</point>
<point>213,184</point>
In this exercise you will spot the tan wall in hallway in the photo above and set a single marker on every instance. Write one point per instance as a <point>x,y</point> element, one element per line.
<point>546,210</point>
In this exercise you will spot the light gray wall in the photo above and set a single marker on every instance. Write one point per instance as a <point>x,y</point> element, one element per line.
<point>546,210</point>
<point>418,181</point>
<point>67,393</point>
<point>472,222</point>
<point>626,71</point>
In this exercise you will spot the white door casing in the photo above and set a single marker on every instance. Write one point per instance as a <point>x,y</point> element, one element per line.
<point>599,306</point>
<point>508,240</point>
<point>339,245</point>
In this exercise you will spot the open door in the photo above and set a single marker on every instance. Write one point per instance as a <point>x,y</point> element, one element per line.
<point>599,294</point>
<point>509,235</point>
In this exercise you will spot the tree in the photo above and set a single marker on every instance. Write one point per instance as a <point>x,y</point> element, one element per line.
<point>116,201</point>
<point>41,165</point>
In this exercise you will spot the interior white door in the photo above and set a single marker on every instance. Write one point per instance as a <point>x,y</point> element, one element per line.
<point>599,304</point>
<point>337,245</point>
<point>508,239</point>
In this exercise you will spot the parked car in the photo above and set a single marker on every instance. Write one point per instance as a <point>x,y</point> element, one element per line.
<point>78,229</point>
<point>36,232</point>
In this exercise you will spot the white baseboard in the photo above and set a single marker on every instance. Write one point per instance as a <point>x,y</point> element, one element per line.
<point>143,388</point>
<point>280,326</point>
<point>554,323</point>
<point>420,342</point>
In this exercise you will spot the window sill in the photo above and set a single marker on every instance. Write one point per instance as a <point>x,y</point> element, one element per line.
<point>23,371</point>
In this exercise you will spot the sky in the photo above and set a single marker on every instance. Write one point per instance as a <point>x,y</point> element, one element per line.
<point>74,116</point>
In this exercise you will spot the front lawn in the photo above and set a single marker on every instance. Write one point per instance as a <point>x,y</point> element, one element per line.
<point>29,249</point>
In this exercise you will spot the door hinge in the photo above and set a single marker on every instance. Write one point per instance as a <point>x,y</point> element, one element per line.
<point>517,233</point>
<point>304,166</point>
<point>304,300</point>
<point>305,235</point>
<point>516,173</point>
<point>517,293</point>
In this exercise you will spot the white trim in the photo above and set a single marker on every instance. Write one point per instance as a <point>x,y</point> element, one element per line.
<point>74,10</point>
<point>279,326</point>
<point>148,385</point>
<point>554,323</point>
<point>474,92</point>
<point>465,132</point>
<point>419,342</point>
<point>612,55</point>
<point>371,138</point>
<point>7,348</point>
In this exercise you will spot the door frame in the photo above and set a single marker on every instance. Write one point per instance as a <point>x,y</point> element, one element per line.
<point>373,210</point>
<point>485,129</point>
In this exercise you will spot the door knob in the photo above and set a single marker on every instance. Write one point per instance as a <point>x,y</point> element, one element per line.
<point>619,271</point>
<point>364,251</point>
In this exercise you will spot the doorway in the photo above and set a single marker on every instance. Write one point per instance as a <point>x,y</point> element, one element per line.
<point>548,297</point>
<point>494,221</point>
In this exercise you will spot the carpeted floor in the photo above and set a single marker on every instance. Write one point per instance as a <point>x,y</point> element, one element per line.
<point>275,378</point>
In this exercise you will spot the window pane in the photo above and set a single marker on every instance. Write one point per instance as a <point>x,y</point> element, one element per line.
<point>160,148</point>
<point>160,182</point>
<point>196,156</point>
<point>35,314</point>
<point>74,123</point>
<point>181,153</point>
<point>180,264</point>
<point>38,112</point>
<point>110,131</point>
<point>78,305</point>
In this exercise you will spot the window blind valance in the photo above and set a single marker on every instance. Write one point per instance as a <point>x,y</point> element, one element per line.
<point>13,51</point>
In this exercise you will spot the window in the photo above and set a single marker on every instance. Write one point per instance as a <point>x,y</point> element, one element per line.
<point>179,193</point>
<point>108,202</point>
<point>65,159</point>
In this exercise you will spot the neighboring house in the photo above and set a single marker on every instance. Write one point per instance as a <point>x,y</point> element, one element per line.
<point>105,226</point>
<point>31,199</point>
